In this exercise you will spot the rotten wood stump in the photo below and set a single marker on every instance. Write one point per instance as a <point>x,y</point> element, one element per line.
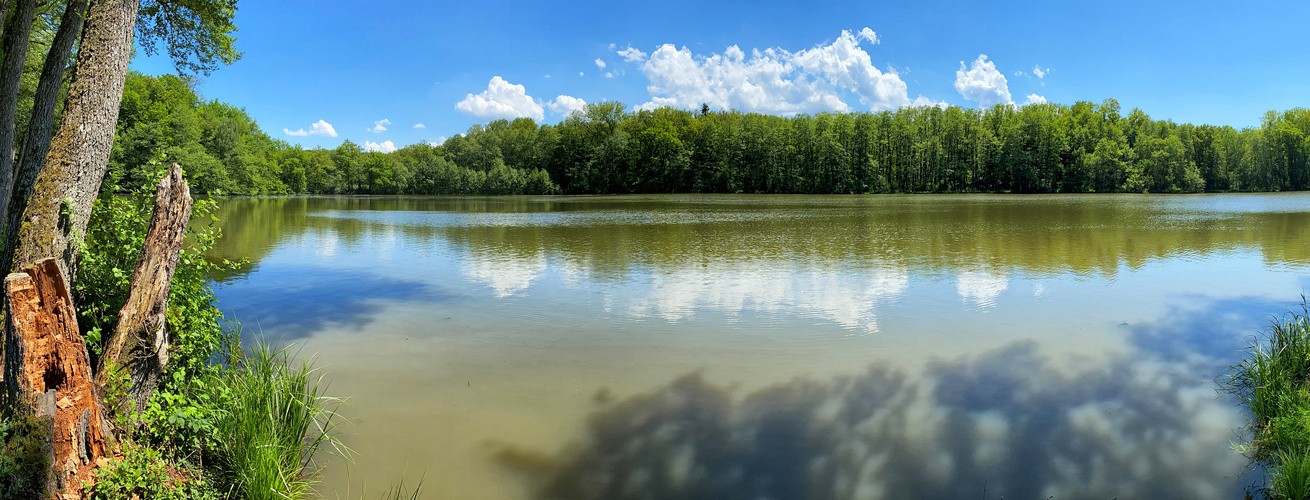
<point>139,343</point>
<point>46,363</point>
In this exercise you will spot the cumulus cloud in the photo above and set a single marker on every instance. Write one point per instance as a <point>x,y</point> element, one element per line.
<point>440,140</point>
<point>869,35</point>
<point>599,63</point>
<point>501,100</point>
<point>1041,73</point>
<point>385,146</point>
<point>420,125</point>
<point>774,80</point>
<point>380,126</point>
<point>632,54</point>
<point>981,82</point>
<point>318,128</point>
<point>609,75</point>
<point>566,105</point>
<point>1034,99</point>
<point>581,74</point>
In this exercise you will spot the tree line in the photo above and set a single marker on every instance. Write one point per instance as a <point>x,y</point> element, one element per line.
<point>604,149</point>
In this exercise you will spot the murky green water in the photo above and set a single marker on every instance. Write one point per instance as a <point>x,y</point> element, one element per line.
<point>780,346</point>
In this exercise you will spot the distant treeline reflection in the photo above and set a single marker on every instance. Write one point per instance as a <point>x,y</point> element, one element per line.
<point>610,237</point>
<point>604,149</point>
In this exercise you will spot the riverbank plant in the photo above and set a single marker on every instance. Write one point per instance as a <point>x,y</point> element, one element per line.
<point>225,423</point>
<point>1273,384</point>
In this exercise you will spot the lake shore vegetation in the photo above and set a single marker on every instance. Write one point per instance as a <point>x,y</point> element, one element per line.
<point>1273,384</point>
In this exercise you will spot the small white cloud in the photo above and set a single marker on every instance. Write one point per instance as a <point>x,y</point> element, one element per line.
<point>380,126</point>
<point>440,140</point>
<point>1018,73</point>
<point>600,63</point>
<point>385,146</point>
<point>632,54</point>
<point>566,105</point>
<point>869,35</point>
<point>501,100</point>
<point>611,46</point>
<point>609,75</point>
<point>1034,99</point>
<point>1041,73</point>
<point>581,74</point>
<point>983,83</point>
<point>922,101</point>
<point>547,76</point>
<point>420,125</point>
<point>318,128</point>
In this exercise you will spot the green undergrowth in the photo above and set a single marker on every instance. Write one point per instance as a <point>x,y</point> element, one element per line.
<point>1273,383</point>
<point>226,422</point>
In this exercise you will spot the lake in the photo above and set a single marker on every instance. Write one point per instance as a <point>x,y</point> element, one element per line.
<point>692,346</point>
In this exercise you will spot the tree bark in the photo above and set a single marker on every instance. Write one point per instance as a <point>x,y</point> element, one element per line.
<point>5,5</point>
<point>11,76</point>
<point>54,222</point>
<point>139,343</point>
<point>47,365</point>
<point>41,126</point>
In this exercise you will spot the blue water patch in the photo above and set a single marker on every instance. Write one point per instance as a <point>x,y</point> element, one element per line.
<point>289,302</point>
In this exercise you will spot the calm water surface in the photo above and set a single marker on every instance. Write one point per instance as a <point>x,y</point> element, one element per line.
<point>779,346</point>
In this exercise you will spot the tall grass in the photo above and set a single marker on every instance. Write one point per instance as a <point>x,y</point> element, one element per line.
<point>1273,382</point>
<point>273,422</point>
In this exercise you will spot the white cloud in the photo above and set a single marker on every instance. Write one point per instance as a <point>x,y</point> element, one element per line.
<point>599,63</point>
<point>922,101</point>
<point>1034,99</point>
<point>609,75</point>
<point>869,35</point>
<point>632,54</point>
<point>385,146</point>
<point>774,80</point>
<point>440,140</point>
<point>420,125</point>
<point>380,126</point>
<point>318,128</point>
<point>982,83</point>
<point>501,100</point>
<point>1019,73</point>
<point>581,74</point>
<point>566,105</point>
<point>1041,73</point>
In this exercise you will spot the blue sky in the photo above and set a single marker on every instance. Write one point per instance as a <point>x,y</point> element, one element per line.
<point>448,65</point>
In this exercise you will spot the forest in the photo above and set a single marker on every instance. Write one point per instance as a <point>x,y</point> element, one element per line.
<point>607,149</point>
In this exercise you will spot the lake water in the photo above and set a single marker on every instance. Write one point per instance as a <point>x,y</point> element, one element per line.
<point>691,346</point>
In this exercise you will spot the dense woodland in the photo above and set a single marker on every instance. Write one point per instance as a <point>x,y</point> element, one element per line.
<point>1038,148</point>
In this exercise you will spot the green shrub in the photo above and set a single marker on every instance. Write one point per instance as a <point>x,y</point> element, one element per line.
<point>143,473</point>
<point>23,456</point>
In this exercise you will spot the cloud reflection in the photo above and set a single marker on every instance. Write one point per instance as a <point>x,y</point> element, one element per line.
<point>1010,423</point>
<point>849,298</point>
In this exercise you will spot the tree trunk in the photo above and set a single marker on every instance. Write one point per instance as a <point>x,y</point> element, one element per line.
<point>4,13</point>
<point>139,343</point>
<point>47,365</point>
<point>41,126</point>
<point>11,75</point>
<point>55,220</point>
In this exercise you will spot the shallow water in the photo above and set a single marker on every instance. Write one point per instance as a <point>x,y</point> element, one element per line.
<point>776,346</point>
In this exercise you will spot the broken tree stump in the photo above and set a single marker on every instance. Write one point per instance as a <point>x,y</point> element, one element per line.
<point>139,343</point>
<point>47,366</point>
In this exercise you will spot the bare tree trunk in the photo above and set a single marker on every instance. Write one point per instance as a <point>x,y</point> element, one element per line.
<point>55,219</point>
<point>11,76</point>
<point>4,13</point>
<point>41,126</point>
<point>139,343</point>
<point>47,365</point>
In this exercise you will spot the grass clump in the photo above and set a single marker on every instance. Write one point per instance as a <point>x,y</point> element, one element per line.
<point>1273,383</point>
<point>273,422</point>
